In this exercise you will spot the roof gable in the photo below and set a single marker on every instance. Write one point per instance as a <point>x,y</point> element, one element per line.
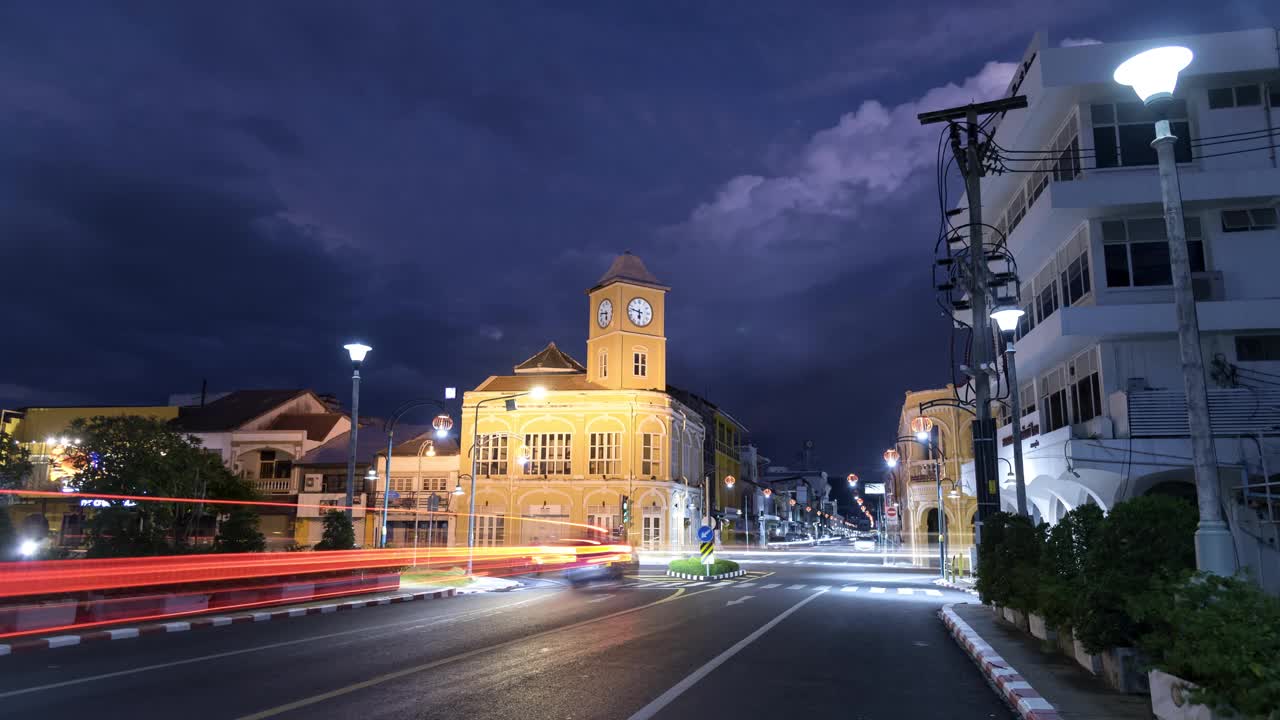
<point>234,410</point>
<point>550,360</point>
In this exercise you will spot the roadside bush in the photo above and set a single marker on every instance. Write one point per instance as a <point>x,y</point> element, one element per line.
<point>1061,583</point>
<point>1222,634</point>
<point>1009,561</point>
<point>338,532</point>
<point>694,566</point>
<point>239,533</point>
<point>1143,544</point>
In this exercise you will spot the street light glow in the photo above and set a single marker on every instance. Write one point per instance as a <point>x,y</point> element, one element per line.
<point>891,457</point>
<point>457,489</point>
<point>1007,316</point>
<point>537,392</point>
<point>27,548</point>
<point>1154,74</point>
<point>357,351</point>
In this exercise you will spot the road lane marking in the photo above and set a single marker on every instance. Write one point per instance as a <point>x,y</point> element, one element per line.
<point>747,584</point>
<point>257,648</point>
<point>906,591</point>
<point>932,592</point>
<point>739,601</point>
<point>796,587</point>
<point>378,680</point>
<point>771,586</point>
<point>657,704</point>
<point>878,591</point>
<point>823,587</point>
<point>849,588</point>
<point>602,598</point>
<point>700,582</point>
<point>723,583</point>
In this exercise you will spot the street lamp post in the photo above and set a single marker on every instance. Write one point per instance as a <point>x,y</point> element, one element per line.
<point>441,423</point>
<point>1006,317</point>
<point>357,352</point>
<point>536,392</point>
<point>924,435</point>
<point>1153,75</point>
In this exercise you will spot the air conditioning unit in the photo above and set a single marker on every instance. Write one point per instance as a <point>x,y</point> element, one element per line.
<point>313,483</point>
<point>1207,286</point>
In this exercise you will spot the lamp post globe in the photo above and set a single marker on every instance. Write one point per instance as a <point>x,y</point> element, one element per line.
<point>1007,317</point>
<point>853,480</point>
<point>921,427</point>
<point>729,480</point>
<point>442,423</point>
<point>1153,74</point>
<point>891,457</point>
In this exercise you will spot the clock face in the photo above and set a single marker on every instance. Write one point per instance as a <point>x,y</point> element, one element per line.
<point>604,315</point>
<point>640,312</point>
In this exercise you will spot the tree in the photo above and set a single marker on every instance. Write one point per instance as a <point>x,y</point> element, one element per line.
<point>138,456</point>
<point>15,462</point>
<point>338,532</point>
<point>239,533</point>
<point>8,538</point>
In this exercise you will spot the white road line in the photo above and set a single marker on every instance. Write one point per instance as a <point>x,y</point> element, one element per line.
<point>695,584</point>
<point>823,588</point>
<point>932,592</point>
<point>796,587</point>
<point>849,588</point>
<point>878,591</point>
<point>748,584</point>
<point>602,598</point>
<point>906,591</point>
<point>666,698</point>
<point>771,586</point>
<point>722,583</point>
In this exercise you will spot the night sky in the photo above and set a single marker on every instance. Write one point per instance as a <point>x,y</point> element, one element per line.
<point>230,191</point>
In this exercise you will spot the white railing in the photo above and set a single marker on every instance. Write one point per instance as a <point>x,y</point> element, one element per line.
<point>1232,411</point>
<point>275,485</point>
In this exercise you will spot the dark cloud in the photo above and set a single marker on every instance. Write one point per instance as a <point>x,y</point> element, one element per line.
<point>231,191</point>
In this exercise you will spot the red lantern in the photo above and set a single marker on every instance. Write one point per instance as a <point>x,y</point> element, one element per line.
<point>729,480</point>
<point>891,457</point>
<point>793,501</point>
<point>443,423</point>
<point>922,426</point>
<point>853,479</point>
<point>768,492</point>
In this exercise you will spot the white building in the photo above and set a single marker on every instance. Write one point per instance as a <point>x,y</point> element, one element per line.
<point>1104,415</point>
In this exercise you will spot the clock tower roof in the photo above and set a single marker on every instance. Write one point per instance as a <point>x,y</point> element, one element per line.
<point>628,268</point>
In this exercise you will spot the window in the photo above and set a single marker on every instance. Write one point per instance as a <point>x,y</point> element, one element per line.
<point>1073,268</point>
<point>403,484</point>
<point>548,454</point>
<point>271,468</point>
<point>1046,293</point>
<point>1027,322</point>
<point>650,454</point>
<point>640,363</point>
<point>491,455</point>
<point>604,363</point>
<point>605,454</point>
<point>1258,348</point>
<point>1122,133</point>
<point>436,484</point>
<point>1238,96</point>
<point>1053,401</point>
<point>1018,210</point>
<point>1067,145</point>
<point>491,529</point>
<point>1136,252</point>
<point>1251,219</point>
<point>1274,97</point>
<point>1027,394</point>
<point>1086,387</point>
<point>651,530</point>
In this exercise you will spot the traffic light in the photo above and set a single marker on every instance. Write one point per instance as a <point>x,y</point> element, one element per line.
<point>626,510</point>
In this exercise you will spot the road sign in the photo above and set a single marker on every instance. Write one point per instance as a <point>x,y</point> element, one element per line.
<point>873,488</point>
<point>706,534</point>
<point>891,512</point>
<point>708,552</point>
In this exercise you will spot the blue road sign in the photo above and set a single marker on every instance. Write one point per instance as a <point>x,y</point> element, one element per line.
<point>706,534</point>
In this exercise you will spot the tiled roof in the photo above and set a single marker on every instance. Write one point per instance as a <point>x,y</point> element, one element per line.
<point>234,410</point>
<point>317,425</point>
<point>550,359</point>
<point>629,268</point>
<point>410,447</point>
<point>524,383</point>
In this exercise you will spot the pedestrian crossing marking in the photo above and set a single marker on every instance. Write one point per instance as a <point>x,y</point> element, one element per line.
<point>877,590</point>
<point>934,593</point>
<point>771,586</point>
<point>695,584</point>
<point>747,584</point>
<point>906,591</point>
<point>821,588</point>
<point>723,583</point>
<point>796,587</point>
<point>849,588</point>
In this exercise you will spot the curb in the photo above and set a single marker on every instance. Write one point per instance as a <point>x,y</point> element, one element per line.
<point>58,641</point>
<point>956,586</point>
<point>722,576</point>
<point>1028,703</point>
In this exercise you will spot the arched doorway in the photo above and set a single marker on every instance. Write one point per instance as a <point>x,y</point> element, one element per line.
<point>931,526</point>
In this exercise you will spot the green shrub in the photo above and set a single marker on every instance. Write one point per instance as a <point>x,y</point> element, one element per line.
<point>338,532</point>
<point>694,566</point>
<point>1222,634</point>
<point>239,533</point>
<point>1067,545</point>
<point>1009,561</point>
<point>1143,543</point>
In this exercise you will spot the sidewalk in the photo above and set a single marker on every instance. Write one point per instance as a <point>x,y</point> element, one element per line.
<point>1072,691</point>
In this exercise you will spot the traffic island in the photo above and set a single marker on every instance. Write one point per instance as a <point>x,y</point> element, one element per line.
<point>693,569</point>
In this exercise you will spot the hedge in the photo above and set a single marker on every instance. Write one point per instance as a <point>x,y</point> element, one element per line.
<point>694,566</point>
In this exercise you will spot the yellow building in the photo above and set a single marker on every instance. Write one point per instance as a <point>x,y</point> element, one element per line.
<point>915,485</point>
<point>558,445</point>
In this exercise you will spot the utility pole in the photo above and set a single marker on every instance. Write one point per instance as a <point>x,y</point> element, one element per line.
<point>969,160</point>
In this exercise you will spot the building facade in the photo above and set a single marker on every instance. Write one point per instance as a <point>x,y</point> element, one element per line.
<point>914,484</point>
<point>561,449</point>
<point>1103,410</point>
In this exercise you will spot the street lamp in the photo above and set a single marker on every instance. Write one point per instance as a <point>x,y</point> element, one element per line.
<point>1007,315</point>
<point>853,480</point>
<point>1153,75</point>
<point>357,352</point>
<point>729,480</point>
<point>891,458</point>
<point>922,426</point>
<point>536,392</point>
<point>935,454</point>
<point>442,423</point>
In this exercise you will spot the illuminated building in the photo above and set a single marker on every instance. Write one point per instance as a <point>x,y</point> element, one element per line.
<point>599,432</point>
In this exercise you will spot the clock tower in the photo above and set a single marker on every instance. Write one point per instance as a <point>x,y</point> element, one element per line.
<point>627,343</point>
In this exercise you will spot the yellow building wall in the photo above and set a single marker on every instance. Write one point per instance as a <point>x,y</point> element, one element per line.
<point>621,337</point>
<point>41,423</point>
<point>665,492</point>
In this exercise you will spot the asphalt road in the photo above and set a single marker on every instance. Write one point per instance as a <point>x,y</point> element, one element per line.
<point>788,640</point>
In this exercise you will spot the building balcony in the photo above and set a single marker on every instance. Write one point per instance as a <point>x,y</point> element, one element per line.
<point>276,486</point>
<point>410,502</point>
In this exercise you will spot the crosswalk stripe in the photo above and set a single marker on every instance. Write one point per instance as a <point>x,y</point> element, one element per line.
<point>877,590</point>
<point>849,588</point>
<point>722,583</point>
<point>906,591</point>
<point>934,593</point>
<point>770,586</point>
<point>796,587</point>
<point>822,587</point>
<point>751,584</point>
<point>695,584</point>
